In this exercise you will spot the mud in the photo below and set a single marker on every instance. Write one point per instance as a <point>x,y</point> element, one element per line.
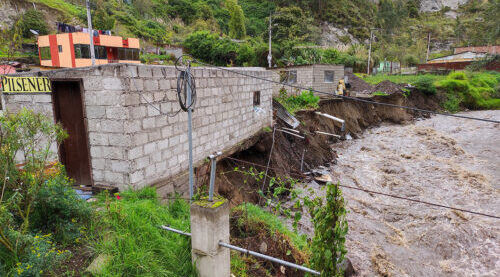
<point>443,160</point>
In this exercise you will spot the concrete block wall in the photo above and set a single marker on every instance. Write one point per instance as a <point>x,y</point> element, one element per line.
<point>310,76</point>
<point>223,116</point>
<point>319,77</point>
<point>133,144</point>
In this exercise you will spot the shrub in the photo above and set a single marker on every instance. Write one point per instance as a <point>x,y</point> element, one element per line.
<point>33,19</point>
<point>32,135</point>
<point>425,84</point>
<point>59,210</point>
<point>457,76</point>
<point>40,257</point>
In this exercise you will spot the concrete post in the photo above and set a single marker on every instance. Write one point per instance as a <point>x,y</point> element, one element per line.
<point>209,225</point>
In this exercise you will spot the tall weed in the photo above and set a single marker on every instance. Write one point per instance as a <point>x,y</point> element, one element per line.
<point>129,232</point>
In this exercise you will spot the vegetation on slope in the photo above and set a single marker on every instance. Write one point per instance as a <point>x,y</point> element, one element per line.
<point>400,30</point>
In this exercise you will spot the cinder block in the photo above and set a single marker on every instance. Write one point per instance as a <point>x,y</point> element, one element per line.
<point>136,85</point>
<point>92,83</point>
<point>135,152</point>
<point>144,71</point>
<point>149,148</point>
<point>139,139</point>
<point>113,177</point>
<point>141,162</point>
<point>150,170</point>
<point>119,140</point>
<point>112,126</point>
<point>138,112</point>
<point>112,83</point>
<point>148,123</point>
<point>99,164</point>
<point>150,85</point>
<point>164,84</point>
<point>95,111</point>
<point>154,135</point>
<point>120,166</point>
<point>136,177</point>
<point>128,71</point>
<point>98,138</point>
<point>116,113</point>
<point>133,126</point>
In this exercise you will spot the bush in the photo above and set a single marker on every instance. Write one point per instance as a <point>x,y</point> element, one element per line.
<point>33,19</point>
<point>40,257</point>
<point>425,84</point>
<point>59,210</point>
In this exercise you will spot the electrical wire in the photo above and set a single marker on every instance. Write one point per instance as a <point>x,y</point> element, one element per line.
<point>379,193</point>
<point>348,97</point>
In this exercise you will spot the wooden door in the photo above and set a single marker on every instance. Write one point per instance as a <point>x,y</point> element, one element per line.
<point>74,151</point>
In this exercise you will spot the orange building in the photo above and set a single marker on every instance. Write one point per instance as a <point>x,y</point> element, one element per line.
<point>73,50</point>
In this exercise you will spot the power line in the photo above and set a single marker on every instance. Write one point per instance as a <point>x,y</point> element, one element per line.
<point>346,97</point>
<point>382,193</point>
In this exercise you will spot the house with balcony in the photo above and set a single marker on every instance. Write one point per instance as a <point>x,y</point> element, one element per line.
<point>71,50</point>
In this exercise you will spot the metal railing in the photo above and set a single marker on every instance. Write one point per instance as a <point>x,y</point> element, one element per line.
<point>250,252</point>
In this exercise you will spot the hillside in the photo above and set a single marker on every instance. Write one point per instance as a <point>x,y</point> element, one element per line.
<point>401,27</point>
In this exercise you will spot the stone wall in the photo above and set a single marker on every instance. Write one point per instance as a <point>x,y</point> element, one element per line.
<point>133,144</point>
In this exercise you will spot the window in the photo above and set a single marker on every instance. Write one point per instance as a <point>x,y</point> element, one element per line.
<point>82,51</point>
<point>256,98</point>
<point>128,54</point>
<point>100,52</point>
<point>45,53</point>
<point>288,77</point>
<point>59,47</point>
<point>329,76</point>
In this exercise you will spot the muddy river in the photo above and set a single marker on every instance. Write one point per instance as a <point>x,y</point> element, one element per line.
<point>450,161</point>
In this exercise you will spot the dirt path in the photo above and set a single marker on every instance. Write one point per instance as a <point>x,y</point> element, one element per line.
<point>444,160</point>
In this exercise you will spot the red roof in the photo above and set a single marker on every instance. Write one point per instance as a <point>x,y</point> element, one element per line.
<point>7,69</point>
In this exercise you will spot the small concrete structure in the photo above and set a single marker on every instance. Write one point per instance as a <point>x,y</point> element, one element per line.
<point>321,77</point>
<point>209,226</point>
<point>121,140</point>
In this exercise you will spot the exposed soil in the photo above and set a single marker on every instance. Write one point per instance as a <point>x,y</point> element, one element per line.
<point>358,85</point>
<point>257,238</point>
<point>288,150</point>
<point>80,258</point>
<point>388,87</point>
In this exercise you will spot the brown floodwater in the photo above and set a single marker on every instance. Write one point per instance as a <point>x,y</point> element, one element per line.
<point>444,160</point>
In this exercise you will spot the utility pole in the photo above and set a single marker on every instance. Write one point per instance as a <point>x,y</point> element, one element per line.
<point>190,129</point>
<point>270,56</point>
<point>91,33</point>
<point>428,46</point>
<point>369,53</point>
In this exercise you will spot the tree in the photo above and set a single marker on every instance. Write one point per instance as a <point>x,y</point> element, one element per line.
<point>11,40</point>
<point>330,229</point>
<point>293,24</point>
<point>34,20</point>
<point>237,20</point>
<point>101,19</point>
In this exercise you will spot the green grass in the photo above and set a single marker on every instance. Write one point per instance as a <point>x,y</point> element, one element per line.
<point>128,231</point>
<point>66,8</point>
<point>472,90</point>
<point>257,214</point>
<point>379,93</point>
<point>293,103</point>
<point>398,79</point>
